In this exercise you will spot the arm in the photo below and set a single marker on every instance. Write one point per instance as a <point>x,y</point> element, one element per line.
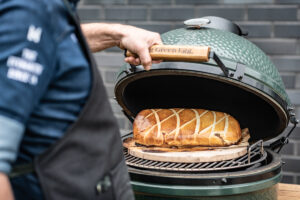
<point>20,41</point>
<point>5,189</point>
<point>101,36</point>
<point>11,133</point>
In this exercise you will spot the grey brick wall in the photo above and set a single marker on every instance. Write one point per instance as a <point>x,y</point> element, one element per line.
<point>273,25</point>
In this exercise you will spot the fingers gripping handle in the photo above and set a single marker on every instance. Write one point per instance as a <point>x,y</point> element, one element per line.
<point>177,53</point>
<point>182,53</point>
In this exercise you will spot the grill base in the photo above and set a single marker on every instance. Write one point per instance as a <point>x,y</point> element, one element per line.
<point>267,193</point>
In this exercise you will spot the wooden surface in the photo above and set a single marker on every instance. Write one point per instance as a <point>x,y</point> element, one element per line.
<point>288,192</point>
<point>188,154</point>
<point>178,53</point>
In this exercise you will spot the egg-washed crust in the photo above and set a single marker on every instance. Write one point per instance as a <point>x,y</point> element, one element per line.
<point>185,127</point>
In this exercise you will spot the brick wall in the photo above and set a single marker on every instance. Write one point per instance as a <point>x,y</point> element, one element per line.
<point>273,25</point>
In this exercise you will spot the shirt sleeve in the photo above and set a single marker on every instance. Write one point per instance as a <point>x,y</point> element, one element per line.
<point>27,61</point>
<point>9,143</point>
<point>27,57</point>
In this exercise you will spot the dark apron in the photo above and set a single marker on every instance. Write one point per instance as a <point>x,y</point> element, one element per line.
<point>87,163</point>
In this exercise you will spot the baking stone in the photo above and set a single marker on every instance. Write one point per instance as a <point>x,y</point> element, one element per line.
<point>189,154</point>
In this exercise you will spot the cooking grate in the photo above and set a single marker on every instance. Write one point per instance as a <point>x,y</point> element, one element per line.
<point>256,154</point>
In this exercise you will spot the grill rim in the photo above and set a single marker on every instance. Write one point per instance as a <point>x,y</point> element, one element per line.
<point>266,170</point>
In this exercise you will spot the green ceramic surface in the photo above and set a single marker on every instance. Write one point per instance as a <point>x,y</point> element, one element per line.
<point>232,47</point>
<point>259,77</point>
<point>264,194</point>
<point>262,190</point>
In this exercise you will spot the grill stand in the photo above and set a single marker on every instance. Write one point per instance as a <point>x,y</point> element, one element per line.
<point>262,152</point>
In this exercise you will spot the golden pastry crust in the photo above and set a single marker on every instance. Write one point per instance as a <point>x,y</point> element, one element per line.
<point>185,127</point>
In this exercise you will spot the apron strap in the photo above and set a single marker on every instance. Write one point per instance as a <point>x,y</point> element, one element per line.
<point>75,19</point>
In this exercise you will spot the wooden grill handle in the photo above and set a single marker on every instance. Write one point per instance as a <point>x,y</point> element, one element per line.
<point>177,53</point>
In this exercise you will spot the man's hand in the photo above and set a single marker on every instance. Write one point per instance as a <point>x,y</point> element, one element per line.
<point>139,41</point>
<point>101,36</point>
<point>5,188</point>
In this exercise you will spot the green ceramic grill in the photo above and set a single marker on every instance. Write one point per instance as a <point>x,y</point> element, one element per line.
<point>210,65</point>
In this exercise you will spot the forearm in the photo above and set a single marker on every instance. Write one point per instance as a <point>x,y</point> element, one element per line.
<point>102,36</point>
<point>5,188</point>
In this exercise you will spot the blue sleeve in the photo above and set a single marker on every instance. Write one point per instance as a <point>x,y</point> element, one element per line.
<point>27,61</point>
<point>27,56</point>
<point>11,133</point>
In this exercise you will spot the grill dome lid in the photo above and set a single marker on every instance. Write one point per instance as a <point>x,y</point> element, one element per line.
<point>253,92</point>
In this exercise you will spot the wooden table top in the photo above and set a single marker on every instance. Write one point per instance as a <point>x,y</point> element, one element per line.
<point>288,191</point>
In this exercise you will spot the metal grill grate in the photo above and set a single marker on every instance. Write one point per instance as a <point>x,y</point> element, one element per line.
<point>255,155</point>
